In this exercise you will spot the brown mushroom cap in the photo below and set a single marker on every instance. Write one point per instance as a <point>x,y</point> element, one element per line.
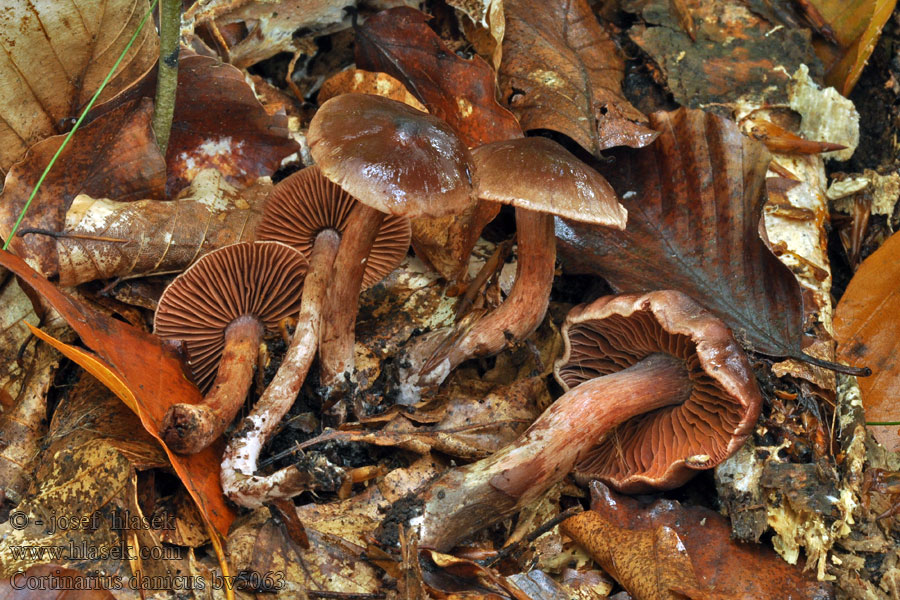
<point>659,450</point>
<point>391,156</point>
<point>306,203</point>
<point>262,279</point>
<point>537,174</point>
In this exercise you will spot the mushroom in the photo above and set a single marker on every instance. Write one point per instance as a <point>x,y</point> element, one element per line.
<point>657,387</point>
<point>219,308</point>
<point>308,212</point>
<point>541,179</point>
<point>395,160</point>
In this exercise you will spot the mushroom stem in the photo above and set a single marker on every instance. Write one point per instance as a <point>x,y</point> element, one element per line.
<point>336,354</point>
<point>242,453</point>
<point>521,312</point>
<point>466,499</point>
<point>189,428</point>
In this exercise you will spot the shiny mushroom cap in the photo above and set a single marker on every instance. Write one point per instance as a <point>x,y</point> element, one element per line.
<point>391,156</point>
<point>306,203</point>
<point>661,449</point>
<point>261,279</point>
<point>536,173</point>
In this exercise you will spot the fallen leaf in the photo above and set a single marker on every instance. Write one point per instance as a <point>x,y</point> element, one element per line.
<point>867,328</point>
<point>14,318</point>
<point>115,156</point>
<point>736,55</point>
<point>562,71</point>
<point>694,201</point>
<point>358,81</point>
<point>462,93</point>
<point>857,26</point>
<point>103,238</point>
<point>723,568</point>
<point>55,55</point>
<point>268,27</point>
<point>219,124</point>
<point>24,423</point>
<point>485,26</point>
<point>153,375</point>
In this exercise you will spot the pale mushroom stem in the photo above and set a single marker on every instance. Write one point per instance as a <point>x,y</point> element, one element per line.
<point>521,312</point>
<point>466,499</point>
<point>336,355</point>
<point>239,463</point>
<point>189,428</point>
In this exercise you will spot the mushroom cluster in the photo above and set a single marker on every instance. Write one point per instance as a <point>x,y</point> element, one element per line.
<point>656,387</point>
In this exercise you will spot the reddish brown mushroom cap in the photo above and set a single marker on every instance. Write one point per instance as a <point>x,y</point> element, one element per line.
<point>537,174</point>
<point>306,203</point>
<point>391,157</point>
<point>262,279</point>
<point>660,450</point>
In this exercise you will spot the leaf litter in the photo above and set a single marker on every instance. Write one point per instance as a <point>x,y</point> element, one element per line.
<point>699,195</point>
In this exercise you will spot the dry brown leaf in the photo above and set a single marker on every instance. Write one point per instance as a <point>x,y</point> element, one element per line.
<point>703,561</point>
<point>867,327</point>
<point>856,25</point>
<point>104,239</point>
<point>115,156</point>
<point>484,27</point>
<point>17,311</point>
<point>55,55</point>
<point>562,71</point>
<point>219,124</point>
<point>358,81</point>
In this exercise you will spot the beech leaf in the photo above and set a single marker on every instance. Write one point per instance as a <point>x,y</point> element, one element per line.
<point>104,239</point>
<point>694,201</point>
<point>562,71</point>
<point>54,57</point>
<point>138,366</point>
<point>114,156</point>
<point>867,328</point>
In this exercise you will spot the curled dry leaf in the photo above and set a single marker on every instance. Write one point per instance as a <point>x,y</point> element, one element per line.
<point>55,55</point>
<point>219,123</point>
<point>562,71</point>
<point>736,55</point>
<point>462,93</point>
<point>867,327</point>
<point>270,27</point>
<point>694,200</point>
<point>115,156</point>
<point>104,239</point>
<point>685,549</point>
<point>148,376</point>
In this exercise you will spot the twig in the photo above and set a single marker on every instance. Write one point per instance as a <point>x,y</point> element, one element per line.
<point>167,75</point>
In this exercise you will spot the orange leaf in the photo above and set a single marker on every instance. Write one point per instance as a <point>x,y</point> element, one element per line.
<point>148,371</point>
<point>867,328</point>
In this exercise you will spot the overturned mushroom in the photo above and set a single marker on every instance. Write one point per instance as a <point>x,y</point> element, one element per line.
<point>219,308</point>
<point>308,212</point>
<point>541,179</point>
<point>394,160</point>
<point>654,378</point>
